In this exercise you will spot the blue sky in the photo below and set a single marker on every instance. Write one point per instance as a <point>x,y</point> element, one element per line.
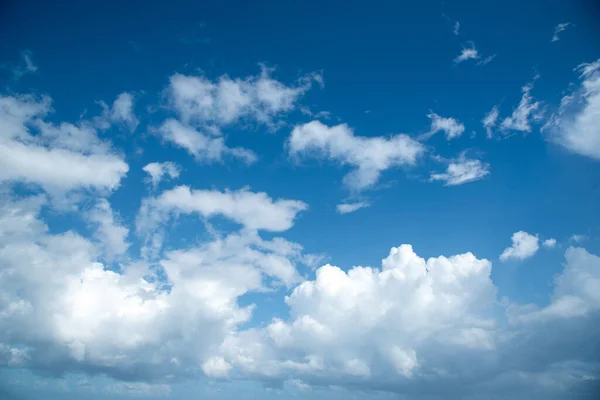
<point>309,199</point>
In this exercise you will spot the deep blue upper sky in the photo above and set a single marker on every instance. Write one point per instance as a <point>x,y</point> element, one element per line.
<point>386,68</point>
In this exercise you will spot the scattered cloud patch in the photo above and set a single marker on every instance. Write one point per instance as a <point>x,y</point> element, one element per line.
<point>158,170</point>
<point>575,125</point>
<point>253,210</point>
<point>462,170</point>
<point>369,155</point>
<point>524,245</point>
<point>26,66</point>
<point>526,112</point>
<point>346,208</point>
<point>549,243</point>
<point>121,112</point>
<point>456,30</point>
<point>60,157</point>
<point>467,53</point>
<point>490,120</point>
<point>205,147</point>
<point>450,126</point>
<point>576,238</point>
<point>260,98</point>
<point>558,29</point>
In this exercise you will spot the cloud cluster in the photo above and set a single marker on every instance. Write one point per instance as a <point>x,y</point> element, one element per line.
<point>369,155</point>
<point>450,126</point>
<point>558,29</point>
<point>198,100</point>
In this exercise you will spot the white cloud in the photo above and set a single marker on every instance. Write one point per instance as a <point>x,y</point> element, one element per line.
<point>526,111</point>
<point>61,157</point>
<point>487,60</point>
<point>253,210</point>
<point>27,66</point>
<point>136,389</point>
<point>463,170</point>
<point>199,100</point>
<point>456,28</point>
<point>121,112</point>
<point>410,324</point>
<point>558,29</point>
<point>346,208</point>
<point>523,246</point>
<point>450,126</point>
<point>110,232</point>
<point>157,170</point>
<point>489,121</point>
<point>467,53</point>
<point>204,147</point>
<point>216,367</point>
<point>575,124</point>
<point>370,155</point>
<point>549,243</point>
<point>576,238</point>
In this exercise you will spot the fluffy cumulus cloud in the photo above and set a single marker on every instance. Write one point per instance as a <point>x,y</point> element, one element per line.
<point>422,328</point>
<point>549,243</point>
<point>524,245</point>
<point>450,126</point>
<point>121,112</point>
<point>462,170</point>
<point>67,311</point>
<point>58,157</point>
<point>575,125</point>
<point>197,99</point>
<point>157,171</point>
<point>426,329</point>
<point>369,155</point>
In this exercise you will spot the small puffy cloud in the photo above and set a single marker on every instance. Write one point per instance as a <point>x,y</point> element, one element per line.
<point>158,170</point>
<point>549,243</point>
<point>198,100</point>
<point>558,29</point>
<point>59,157</point>
<point>216,367</point>
<point>205,147</point>
<point>523,246</point>
<point>490,120</point>
<point>526,112</point>
<point>369,155</point>
<point>456,28</point>
<point>346,208</point>
<point>467,53</point>
<point>450,126</point>
<point>462,170</point>
<point>576,238</point>
<point>575,125</point>
<point>121,112</point>
<point>253,210</point>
